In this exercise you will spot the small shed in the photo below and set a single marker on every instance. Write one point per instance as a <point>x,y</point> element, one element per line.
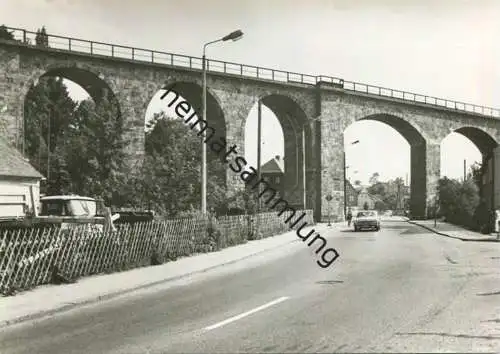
<point>19,183</point>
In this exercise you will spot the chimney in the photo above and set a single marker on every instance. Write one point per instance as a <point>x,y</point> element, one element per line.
<point>277,157</point>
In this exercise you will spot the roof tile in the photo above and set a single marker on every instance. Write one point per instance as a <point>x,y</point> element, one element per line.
<point>271,166</point>
<point>13,164</point>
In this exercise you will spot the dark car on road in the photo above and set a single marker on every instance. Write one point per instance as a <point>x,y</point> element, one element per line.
<point>366,219</point>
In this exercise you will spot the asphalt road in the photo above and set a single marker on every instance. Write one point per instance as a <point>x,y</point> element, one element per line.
<point>398,290</point>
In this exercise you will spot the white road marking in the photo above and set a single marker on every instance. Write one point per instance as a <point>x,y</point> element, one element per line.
<point>245,314</point>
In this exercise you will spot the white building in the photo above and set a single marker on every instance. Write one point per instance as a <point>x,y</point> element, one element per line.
<point>365,197</point>
<point>19,183</point>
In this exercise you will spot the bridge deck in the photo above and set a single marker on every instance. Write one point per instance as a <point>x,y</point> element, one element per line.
<point>77,45</point>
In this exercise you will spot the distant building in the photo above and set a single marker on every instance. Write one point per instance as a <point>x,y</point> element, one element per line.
<point>272,172</point>
<point>19,183</point>
<point>351,195</point>
<point>365,197</point>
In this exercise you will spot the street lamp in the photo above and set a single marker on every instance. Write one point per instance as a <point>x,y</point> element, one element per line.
<point>234,36</point>
<point>345,180</point>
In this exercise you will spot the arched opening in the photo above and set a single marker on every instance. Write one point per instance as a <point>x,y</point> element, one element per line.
<point>483,141</point>
<point>458,155</point>
<point>73,132</point>
<point>282,148</point>
<point>172,163</point>
<point>272,140</point>
<point>385,166</point>
<point>468,163</point>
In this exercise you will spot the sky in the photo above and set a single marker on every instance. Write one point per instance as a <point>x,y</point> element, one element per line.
<point>446,48</point>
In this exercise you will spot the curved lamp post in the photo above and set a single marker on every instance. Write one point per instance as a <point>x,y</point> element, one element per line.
<point>234,36</point>
<point>345,180</point>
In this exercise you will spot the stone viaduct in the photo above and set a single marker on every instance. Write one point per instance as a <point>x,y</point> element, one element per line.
<point>321,107</point>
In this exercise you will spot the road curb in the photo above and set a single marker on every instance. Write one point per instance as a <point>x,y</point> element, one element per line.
<point>93,300</point>
<point>450,236</point>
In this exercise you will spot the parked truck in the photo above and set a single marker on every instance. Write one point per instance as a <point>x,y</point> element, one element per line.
<point>57,210</point>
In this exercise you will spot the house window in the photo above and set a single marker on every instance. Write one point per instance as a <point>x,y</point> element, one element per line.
<point>277,180</point>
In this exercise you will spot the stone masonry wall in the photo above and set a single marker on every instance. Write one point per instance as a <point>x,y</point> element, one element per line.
<point>135,83</point>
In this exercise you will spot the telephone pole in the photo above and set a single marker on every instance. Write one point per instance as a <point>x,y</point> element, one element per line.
<point>465,169</point>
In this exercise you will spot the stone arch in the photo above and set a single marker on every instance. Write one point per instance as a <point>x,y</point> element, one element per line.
<point>85,76</point>
<point>89,79</point>
<point>191,91</point>
<point>293,120</point>
<point>483,140</point>
<point>412,133</point>
<point>486,144</point>
<point>424,165</point>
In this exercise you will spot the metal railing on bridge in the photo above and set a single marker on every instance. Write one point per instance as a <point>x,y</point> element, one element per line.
<point>151,56</point>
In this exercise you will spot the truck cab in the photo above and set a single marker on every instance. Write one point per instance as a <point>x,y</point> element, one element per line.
<point>70,209</point>
<point>68,206</point>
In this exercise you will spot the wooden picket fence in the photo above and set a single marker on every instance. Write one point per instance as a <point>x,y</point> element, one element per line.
<point>34,256</point>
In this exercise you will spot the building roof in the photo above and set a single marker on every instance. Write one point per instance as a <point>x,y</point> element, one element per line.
<point>13,163</point>
<point>350,185</point>
<point>274,165</point>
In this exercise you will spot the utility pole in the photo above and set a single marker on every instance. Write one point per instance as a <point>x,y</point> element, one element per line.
<point>304,186</point>
<point>398,199</point>
<point>435,210</point>
<point>234,36</point>
<point>203,137</point>
<point>345,179</point>
<point>465,169</point>
<point>48,146</point>
<point>345,189</point>
<point>259,152</point>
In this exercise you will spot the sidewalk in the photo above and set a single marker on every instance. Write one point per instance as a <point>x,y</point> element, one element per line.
<point>50,299</point>
<point>454,231</point>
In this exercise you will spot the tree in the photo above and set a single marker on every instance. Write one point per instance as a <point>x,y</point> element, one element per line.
<point>96,157</point>
<point>60,181</point>
<point>377,189</point>
<point>357,183</point>
<point>459,201</point>
<point>448,190</point>
<point>391,193</point>
<point>48,113</point>
<point>374,178</point>
<point>5,34</point>
<point>380,205</point>
<point>41,38</point>
<point>476,173</point>
<point>399,186</point>
<point>171,171</point>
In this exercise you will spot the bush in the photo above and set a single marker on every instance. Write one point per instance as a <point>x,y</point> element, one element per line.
<point>459,203</point>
